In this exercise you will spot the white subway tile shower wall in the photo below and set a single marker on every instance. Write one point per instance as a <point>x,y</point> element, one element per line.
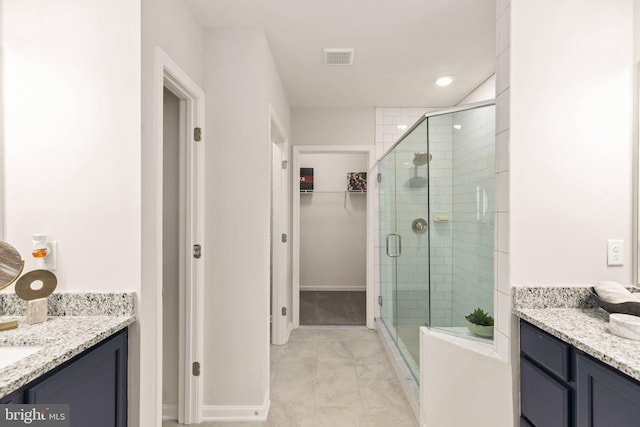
<point>473,207</point>
<point>441,201</point>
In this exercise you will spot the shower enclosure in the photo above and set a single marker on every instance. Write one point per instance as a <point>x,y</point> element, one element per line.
<point>436,213</point>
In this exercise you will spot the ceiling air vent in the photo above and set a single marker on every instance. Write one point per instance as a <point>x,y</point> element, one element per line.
<point>338,56</point>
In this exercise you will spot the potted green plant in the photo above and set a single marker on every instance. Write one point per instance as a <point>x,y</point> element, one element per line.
<point>480,323</point>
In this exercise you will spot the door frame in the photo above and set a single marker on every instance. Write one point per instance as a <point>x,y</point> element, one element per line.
<point>191,306</point>
<point>280,251</point>
<point>368,150</point>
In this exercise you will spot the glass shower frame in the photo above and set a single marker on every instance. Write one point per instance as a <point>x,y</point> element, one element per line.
<point>417,272</point>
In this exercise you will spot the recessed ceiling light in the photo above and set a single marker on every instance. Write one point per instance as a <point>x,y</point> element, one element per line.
<point>444,80</point>
<point>402,127</point>
<point>457,127</point>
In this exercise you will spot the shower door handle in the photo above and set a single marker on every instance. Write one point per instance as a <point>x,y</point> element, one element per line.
<point>399,245</point>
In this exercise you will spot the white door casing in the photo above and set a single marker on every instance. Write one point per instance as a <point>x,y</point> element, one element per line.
<point>167,74</point>
<point>280,230</point>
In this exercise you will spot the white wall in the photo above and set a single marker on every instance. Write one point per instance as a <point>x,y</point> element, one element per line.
<point>241,80</point>
<point>333,236</point>
<point>72,133</point>
<point>72,109</point>
<point>2,161</point>
<point>571,156</point>
<point>332,126</point>
<point>170,25</point>
<point>462,383</point>
<point>636,130</point>
<point>487,90</point>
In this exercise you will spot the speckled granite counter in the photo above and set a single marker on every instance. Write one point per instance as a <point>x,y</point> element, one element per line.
<point>571,315</point>
<point>77,321</point>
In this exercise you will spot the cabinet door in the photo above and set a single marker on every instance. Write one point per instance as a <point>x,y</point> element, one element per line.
<point>525,423</point>
<point>17,397</point>
<point>94,385</point>
<point>544,400</point>
<point>606,398</point>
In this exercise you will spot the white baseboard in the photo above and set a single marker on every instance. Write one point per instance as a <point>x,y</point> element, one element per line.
<point>169,412</point>
<point>289,329</point>
<point>362,288</point>
<point>236,412</point>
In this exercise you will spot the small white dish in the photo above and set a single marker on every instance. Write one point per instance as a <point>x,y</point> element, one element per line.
<point>625,325</point>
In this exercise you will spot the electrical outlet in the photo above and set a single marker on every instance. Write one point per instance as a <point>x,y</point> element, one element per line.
<point>615,252</point>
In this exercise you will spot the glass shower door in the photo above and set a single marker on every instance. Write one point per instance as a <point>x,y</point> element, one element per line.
<point>404,243</point>
<point>412,266</point>
<point>387,201</point>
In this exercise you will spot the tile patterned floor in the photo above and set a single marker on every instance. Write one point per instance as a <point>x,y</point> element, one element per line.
<point>334,378</point>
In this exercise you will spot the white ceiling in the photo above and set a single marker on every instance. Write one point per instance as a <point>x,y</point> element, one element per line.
<point>401,47</point>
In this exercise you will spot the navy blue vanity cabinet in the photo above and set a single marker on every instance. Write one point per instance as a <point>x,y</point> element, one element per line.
<point>606,397</point>
<point>16,397</point>
<point>546,389</point>
<point>562,386</point>
<point>93,384</point>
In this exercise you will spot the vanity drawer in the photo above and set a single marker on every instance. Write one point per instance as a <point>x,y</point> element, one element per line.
<point>545,349</point>
<point>545,401</point>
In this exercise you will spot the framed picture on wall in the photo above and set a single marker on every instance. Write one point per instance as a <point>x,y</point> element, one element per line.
<point>357,181</point>
<point>306,180</point>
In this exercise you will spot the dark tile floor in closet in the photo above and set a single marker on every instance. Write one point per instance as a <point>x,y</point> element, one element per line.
<point>334,308</point>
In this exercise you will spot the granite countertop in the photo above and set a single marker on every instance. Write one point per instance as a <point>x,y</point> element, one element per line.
<point>76,322</point>
<point>572,316</point>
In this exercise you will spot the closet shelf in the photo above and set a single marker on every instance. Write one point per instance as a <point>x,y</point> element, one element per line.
<point>333,192</point>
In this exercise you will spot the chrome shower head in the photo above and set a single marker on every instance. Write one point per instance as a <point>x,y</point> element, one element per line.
<point>421,159</point>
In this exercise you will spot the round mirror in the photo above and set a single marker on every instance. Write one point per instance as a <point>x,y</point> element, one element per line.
<point>11,264</point>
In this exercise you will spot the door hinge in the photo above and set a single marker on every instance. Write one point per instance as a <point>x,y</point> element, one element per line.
<point>196,369</point>
<point>285,163</point>
<point>284,238</point>
<point>379,177</point>
<point>380,300</point>
<point>284,311</point>
<point>197,134</point>
<point>197,251</point>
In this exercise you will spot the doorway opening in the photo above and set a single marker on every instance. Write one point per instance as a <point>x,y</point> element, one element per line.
<point>281,301</point>
<point>172,229</point>
<point>178,343</point>
<point>333,267</point>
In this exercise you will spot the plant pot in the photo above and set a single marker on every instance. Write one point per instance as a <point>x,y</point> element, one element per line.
<point>482,331</point>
